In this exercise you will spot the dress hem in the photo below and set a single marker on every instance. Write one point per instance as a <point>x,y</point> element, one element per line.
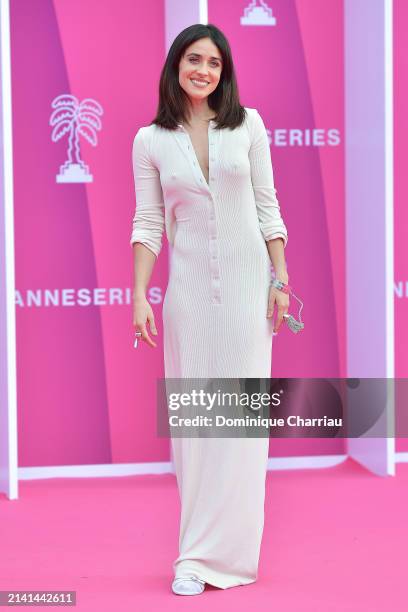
<point>212,579</point>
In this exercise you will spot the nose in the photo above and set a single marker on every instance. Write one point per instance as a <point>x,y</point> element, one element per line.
<point>202,71</point>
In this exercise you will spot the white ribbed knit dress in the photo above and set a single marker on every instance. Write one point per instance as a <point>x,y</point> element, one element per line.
<point>214,322</point>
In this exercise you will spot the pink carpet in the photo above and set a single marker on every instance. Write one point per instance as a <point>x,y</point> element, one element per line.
<point>335,540</point>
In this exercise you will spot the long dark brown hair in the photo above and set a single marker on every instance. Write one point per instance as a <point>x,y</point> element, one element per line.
<point>173,100</point>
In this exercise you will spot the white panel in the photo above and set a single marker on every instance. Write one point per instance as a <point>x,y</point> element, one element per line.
<point>369,214</point>
<point>8,393</point>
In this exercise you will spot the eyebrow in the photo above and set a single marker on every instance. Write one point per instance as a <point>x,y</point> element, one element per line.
<point>199,55</point>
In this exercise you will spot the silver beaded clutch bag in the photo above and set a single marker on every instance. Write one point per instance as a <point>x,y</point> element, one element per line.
<point>292,323</point>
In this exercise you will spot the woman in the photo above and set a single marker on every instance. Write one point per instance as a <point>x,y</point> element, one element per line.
<point>203,172</point>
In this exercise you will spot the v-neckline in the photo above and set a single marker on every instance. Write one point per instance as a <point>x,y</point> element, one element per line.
<point>195,154</point>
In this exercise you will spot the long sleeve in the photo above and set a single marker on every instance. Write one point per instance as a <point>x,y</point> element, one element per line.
<point>148,220</point>
<point>268,209</point>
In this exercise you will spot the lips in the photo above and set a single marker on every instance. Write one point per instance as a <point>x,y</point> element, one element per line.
<point>199,83</point>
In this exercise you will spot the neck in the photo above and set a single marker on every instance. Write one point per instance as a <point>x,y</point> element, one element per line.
<point>200,111</point>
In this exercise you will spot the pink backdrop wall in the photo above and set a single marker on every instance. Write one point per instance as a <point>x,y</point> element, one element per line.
<point>85,395</point>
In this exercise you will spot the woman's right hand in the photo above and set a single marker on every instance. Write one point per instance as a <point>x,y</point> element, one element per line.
<point>143,313</point>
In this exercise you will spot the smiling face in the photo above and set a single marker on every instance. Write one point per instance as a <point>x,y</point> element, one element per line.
<point>200,69</point>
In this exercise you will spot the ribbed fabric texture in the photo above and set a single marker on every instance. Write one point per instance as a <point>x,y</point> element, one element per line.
<point>214,321</point>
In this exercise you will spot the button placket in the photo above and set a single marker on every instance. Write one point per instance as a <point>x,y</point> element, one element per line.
<point>215,275</point>
<point>212,227</point>
<point>215,280</point>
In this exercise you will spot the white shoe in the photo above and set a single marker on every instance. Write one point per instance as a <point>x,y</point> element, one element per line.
<point>188,586</point>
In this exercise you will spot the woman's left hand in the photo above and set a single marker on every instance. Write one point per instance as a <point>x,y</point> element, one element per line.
<point>282,301</point>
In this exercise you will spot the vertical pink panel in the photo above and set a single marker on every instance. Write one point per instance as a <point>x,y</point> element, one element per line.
<point>322,31</point>
<point>85,395</point>
<point>122,68</point>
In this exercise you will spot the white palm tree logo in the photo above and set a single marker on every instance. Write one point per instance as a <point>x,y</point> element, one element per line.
<point>75,118</point>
